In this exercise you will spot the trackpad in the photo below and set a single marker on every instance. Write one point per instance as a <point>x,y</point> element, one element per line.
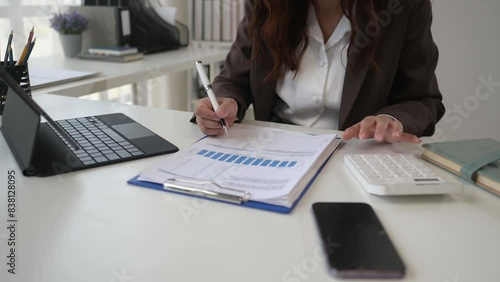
<point>133,130</point>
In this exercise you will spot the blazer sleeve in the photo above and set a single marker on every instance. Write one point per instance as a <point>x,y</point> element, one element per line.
<point>415,99</point>
<point>234,78</point>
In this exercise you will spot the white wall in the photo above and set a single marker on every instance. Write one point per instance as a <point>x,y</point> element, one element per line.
<point>468,37</point>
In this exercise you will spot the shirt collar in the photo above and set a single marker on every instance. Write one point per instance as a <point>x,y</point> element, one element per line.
<point>343,28</point>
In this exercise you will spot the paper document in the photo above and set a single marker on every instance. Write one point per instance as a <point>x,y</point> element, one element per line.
<point>42,77</point>
<point>267,163</point>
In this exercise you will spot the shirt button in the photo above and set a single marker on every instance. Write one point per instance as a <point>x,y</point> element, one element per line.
<point>315,98</point>
<point>322,64</point>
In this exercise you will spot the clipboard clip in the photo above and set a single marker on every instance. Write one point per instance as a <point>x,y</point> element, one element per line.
<point>235,196</point>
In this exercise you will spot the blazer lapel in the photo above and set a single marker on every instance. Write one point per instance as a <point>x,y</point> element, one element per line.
<point>352,84</point>
<point>264,91</point>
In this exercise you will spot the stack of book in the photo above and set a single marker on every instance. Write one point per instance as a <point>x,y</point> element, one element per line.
<point>112,53</point>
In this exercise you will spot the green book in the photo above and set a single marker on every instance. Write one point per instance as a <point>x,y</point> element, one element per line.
<point>476,160</point>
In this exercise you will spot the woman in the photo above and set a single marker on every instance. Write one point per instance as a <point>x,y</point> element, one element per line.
<point>363,66</point>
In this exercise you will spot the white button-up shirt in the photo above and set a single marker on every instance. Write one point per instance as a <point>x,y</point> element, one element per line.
<point>312,98</point>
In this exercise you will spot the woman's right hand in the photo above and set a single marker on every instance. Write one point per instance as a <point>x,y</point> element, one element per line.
<point>208,120</point>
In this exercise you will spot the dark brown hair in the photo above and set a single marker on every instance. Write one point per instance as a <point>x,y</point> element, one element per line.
<point>280,27</point>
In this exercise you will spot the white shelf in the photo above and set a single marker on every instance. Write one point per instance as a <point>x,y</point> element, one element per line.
<point>118,74</point>
<point>211,44</point>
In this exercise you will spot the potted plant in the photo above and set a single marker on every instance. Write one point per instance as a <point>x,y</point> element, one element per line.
<point>70,26</point>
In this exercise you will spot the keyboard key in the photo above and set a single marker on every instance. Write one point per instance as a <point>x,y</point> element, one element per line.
<point>112,156</point>
<point>113,135</point>
<point>81,155</point>
<point>123,153</point>
<point>95,155</point>
<point>101,159</point>
<point>84,159</point>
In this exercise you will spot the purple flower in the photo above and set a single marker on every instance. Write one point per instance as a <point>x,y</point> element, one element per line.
<point>69,23</point>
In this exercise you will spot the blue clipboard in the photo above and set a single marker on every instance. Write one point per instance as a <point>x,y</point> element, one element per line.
<point>249,204</point>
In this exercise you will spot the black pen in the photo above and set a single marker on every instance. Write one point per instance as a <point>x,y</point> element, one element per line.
<point>209,91</point>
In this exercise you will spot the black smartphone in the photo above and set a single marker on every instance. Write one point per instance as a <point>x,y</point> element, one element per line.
<point>355,242</point>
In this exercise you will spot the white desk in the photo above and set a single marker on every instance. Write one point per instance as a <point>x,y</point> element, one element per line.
<point>119,74</point>
<point>92,226</point>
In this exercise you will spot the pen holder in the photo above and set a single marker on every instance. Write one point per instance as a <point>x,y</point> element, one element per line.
<point>21,75</point>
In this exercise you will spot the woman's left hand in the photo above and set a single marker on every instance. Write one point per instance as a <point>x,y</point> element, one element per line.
<point>382,128</point>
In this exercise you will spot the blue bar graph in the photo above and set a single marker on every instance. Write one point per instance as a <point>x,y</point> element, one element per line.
<point>240,160</point>
<point>274,163</point>
<point>216,156</point>
<point>257,162</point>
<point>266,163</point>
<point>232,158</point>
<point>245,160</point>
<point>223,158</point>
<point>248,161</point>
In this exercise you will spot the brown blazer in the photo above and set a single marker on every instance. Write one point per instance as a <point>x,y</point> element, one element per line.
<point>404,86</point>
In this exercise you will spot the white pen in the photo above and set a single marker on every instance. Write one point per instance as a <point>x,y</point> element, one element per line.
<point>209,91</point>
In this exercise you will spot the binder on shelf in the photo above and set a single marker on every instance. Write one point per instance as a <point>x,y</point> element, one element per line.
<point>150,33</point>
<point>108,26</point>
<point>226,169</point>
<point>138,24</point>
<point>216,20</point>
<point>197,19</point>
<point>207,20</point>
<point>226,20</point>
<point>235,17</point>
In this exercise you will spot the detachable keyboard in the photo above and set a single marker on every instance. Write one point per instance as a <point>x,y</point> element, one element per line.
<point>97,141</point>
<point>397,174</point>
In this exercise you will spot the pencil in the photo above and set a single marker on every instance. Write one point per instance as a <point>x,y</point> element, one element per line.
<point>23,55</point>
<point>6,58</point>
<point>32,44</point>
<point>31,35</point>
<point>11,55</point>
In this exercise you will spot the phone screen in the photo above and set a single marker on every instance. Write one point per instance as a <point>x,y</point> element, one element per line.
<point>355,242</point>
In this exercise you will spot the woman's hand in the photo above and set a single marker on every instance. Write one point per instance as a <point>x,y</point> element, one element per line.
<point>382,128</point>
<point>208,120</point>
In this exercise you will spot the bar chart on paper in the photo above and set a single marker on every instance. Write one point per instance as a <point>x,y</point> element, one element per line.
<point>245,160</point>
<point>265,162</point>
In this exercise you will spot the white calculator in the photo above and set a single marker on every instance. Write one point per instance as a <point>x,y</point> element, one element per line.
<point>397,174</point>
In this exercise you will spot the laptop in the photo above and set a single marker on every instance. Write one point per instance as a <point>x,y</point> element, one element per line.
<point>56,147</point>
